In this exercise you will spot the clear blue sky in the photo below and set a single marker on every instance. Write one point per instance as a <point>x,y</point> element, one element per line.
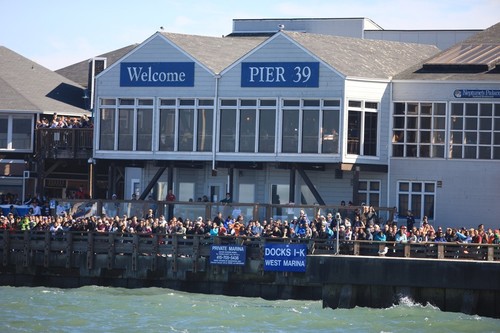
<point>58,33</point>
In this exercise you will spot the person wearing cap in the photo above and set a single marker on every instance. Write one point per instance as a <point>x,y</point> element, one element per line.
<point>401,236</point>
<point>199,226</point>
<point>378,234</point>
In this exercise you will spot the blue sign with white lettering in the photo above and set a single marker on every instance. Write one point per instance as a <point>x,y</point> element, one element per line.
<point>285,257</point>
<point>228,255</point>
<point>280,74</point>
<point>476,93</point>
<point>157,74</point>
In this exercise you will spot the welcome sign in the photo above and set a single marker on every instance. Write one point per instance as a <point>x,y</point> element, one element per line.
<point>157,74</point>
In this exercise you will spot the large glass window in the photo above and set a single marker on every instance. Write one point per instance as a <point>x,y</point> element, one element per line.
<point>279,196</point>
<point>310,131</point>
<point>419,197</point>
<point>186,129</point>
<point>205,129</point>
<point>107,126</point>
<point>246,193</point>
<point>16,132</point>
<point>354,133</point>
<point>186,191</point>
<point>184,124</point>
<point>474,131</point>
<point>362,128</point>
<point>267,130</point>
<point>247,130</point>
<point>247,125</point>
<point>21,133</point>
<point>290,137</point>
<point>369,192</point>
<point>310,126</point>
<point>307,126</point>
<point>419,130</point>
<point>144,129</point>
<point>125,129</point>
<point>227,130</point>
<point>167,127</point>
<point>330,129</point>
<point>4,128</point>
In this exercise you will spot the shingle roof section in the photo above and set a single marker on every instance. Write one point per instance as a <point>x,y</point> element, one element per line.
<point>28,86</point>
<point>216,53</point>
<point>354,57</point>
<point>79,72</point>
<point>450,64</point>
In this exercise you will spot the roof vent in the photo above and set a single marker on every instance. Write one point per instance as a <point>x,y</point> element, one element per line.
<point>281,27</point>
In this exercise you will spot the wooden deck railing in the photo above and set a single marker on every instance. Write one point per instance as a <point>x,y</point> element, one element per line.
<point>64,142</point>
<point>23,245</point>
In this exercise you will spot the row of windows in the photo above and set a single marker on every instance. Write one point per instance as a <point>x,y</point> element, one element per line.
<point>420,130</point>
<point>246,125</point>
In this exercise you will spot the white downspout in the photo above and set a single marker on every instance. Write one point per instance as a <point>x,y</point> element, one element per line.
<point>216,122</point>
<point>389,151</point>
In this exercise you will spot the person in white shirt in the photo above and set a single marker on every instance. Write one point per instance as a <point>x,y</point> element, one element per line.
<point>37,211</point>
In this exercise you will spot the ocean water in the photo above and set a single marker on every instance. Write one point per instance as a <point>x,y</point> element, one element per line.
<point>104,309</point>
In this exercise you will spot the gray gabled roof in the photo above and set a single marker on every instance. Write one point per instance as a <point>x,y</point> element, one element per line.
<point>352,57</point>
<point>28,86</point>
<point>79,72</point>
<point>455,68</point>
<point>216,53</point>
<point>363,58</point>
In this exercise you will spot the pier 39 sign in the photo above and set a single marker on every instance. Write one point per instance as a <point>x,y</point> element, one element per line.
<point>280,74</point>
<point>157,74</point>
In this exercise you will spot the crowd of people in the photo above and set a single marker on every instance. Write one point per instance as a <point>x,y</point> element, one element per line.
<point>65,122</point>
<point>349,224</point>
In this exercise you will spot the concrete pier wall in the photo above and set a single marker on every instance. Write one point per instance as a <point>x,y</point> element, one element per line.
<point>466,286</point>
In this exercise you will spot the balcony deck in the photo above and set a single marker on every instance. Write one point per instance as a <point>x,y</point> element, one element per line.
<point>64,143</point>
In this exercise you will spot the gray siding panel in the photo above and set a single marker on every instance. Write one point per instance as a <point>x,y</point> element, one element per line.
<point>469,188</point>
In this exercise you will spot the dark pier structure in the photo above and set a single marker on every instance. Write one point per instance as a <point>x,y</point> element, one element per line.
<point>454,277</point>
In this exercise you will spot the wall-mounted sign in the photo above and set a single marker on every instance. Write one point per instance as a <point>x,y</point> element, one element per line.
<point>476,93</point>
<point>228,254</point>
<point>285,257</point>
<point>55,183</point>
<point>280,74</point>
<point>157,74</point>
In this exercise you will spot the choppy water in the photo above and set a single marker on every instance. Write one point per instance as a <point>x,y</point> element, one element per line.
<point>103,309</point>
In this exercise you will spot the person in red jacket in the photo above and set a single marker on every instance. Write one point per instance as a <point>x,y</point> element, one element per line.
<point>170,196</point>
